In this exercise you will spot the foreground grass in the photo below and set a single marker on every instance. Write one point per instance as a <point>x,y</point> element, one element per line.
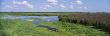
<point>26,28</point>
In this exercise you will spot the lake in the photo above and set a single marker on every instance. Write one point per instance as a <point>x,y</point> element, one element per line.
<point>34,19</point>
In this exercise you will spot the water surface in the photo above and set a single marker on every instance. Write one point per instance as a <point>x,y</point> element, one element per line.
<point>34,19</point>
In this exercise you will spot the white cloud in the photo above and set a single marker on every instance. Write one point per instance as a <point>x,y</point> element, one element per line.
<point>80,7</point>
<point>48,6</point>
<point>14,2</point>
<point>79,2</point>
<point>83,7</point>
<point>71,6</point>
<point>10,7</point>
<point>45,7</point>
<point>53,2</point>
<point>26,3</point>
<point>62,6</point>
<point>50,3</point>
<point>72,3</point>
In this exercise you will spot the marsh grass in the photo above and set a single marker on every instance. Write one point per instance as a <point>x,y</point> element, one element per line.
<point>27,28</point>
<point>22,28</point>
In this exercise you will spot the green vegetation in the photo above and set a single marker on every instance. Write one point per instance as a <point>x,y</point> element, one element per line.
<point>21,28</point>
<point>18,27</point>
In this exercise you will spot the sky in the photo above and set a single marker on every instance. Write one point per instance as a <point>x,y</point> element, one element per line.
<point>54,5</point>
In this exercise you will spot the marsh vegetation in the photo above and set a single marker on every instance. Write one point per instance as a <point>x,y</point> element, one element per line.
<point>12,24</point>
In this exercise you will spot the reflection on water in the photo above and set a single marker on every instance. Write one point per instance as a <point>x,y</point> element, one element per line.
<point>34,19</point>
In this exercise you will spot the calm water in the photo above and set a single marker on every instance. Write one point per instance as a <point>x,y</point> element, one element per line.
<point>34,19</point>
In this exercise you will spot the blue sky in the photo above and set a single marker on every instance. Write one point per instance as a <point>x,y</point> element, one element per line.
<point>55,5</point>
